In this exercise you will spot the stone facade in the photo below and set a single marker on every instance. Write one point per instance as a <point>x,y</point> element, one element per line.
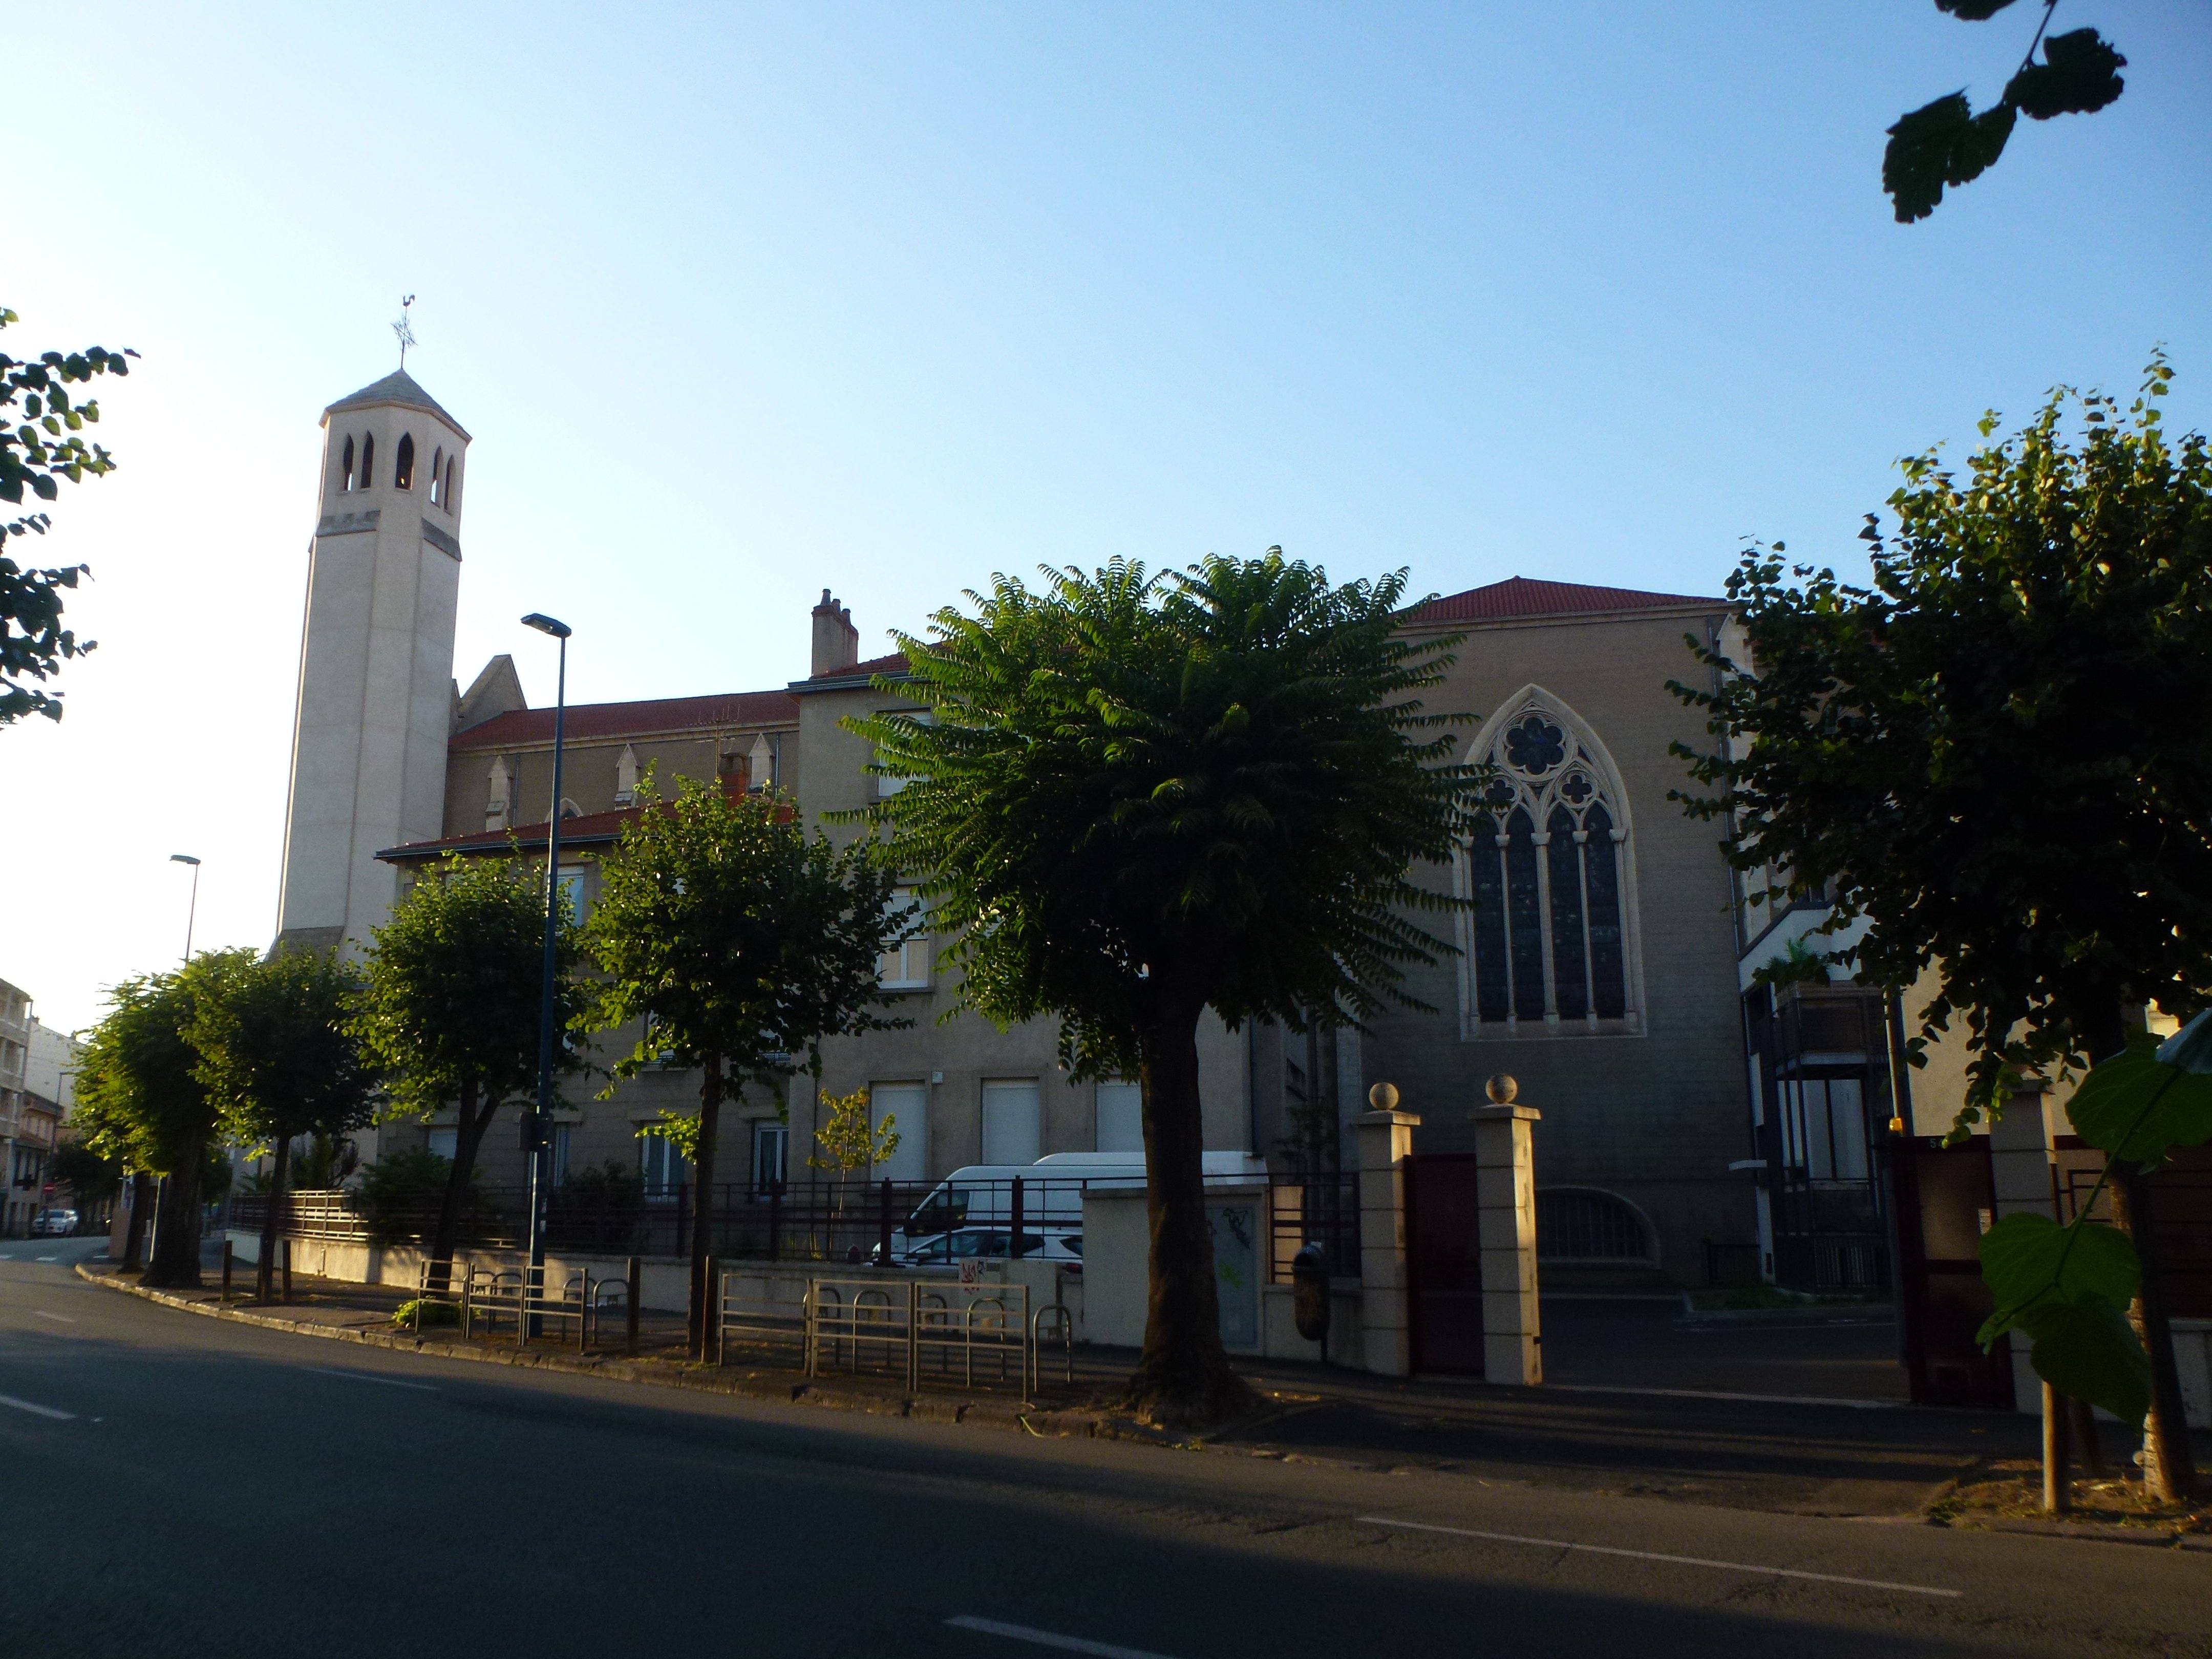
<point>1608,984</point>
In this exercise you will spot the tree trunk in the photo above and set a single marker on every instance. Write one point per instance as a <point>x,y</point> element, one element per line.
<point>280,1166</point>
<point>133,1231</point>
<point>703,1300</point>
<point>469,1127</point>
<point>176,1263</point>
<point>1183,1377</point>
<point>2058,1461</point>
<point>2169,1466</point>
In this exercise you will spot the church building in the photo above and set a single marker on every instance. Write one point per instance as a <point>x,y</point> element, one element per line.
<point>1606,966</point>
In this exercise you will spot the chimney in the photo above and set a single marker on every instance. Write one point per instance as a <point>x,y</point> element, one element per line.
<point>836,641</point>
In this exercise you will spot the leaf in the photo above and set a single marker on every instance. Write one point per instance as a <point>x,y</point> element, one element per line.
<point>1973,11</point>
<point>2088,1351</point>
<point>2190,1048</point>
<point>2134,1107</point>
<point>1941,143</point>
<point>2079,74</point>
<point>2029,1261</point>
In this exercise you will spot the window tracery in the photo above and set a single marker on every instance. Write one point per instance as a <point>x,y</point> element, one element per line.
<point>1549,947</point>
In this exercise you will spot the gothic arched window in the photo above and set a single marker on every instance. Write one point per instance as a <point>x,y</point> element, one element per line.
<point>437,466</point>
<point>403,470</point>
<point>368,460</point>
<point>346,465</point>
<point>1549,946</point>
<point>450,506</point>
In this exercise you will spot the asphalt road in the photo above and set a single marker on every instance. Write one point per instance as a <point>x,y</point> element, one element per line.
<point>182,1486</point>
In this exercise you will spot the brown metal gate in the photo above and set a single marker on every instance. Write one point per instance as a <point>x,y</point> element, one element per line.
<point>1945,1200</point>
<point>1443,1260</point>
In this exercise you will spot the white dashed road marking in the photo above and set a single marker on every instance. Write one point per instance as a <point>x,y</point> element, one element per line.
<point>363,1377</point>
<point>10,1399</point>
<point>1652,1555</point>
<point>1045,1638</point>
<point>58,1319</point>
<point>46,1258</point>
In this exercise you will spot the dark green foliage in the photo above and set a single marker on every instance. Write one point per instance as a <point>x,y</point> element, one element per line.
<point>142,1099</point>
<point>451,1014</point>
<point>1997,754</point>
<point>406,1175</point>
<point>91,1176</point>
<point>42,442</point>
<point>452,998</point>
<point>401,1191</point>
<point>1137,798</point>
<point>1946,143</point>
<point>737,942</point>
<point>1211,773</point>
<point>1941,143</point>
<point>279,1053</point>
<point>737,936</point>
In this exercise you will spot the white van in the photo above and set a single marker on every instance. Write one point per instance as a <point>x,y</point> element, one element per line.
<point>982,1194</point>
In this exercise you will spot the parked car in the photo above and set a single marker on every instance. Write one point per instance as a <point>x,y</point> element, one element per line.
<point>53,1224</point>
<point>948,1250</point>
<point>1052,1194</point>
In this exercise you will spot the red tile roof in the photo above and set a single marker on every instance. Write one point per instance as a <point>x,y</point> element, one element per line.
<point>584,829</point>
<point>840,679</point>
<point>587,721</point>
<point>587,828</point>
<point>1520,597</point>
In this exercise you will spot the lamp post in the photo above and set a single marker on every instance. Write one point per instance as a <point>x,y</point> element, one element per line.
<point>541,1121</point>
<point>193,915</point>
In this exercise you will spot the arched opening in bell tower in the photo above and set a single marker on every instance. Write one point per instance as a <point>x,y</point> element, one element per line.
<point>403,469</point>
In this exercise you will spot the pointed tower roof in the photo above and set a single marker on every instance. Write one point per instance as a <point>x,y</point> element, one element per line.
<point>396,387</point>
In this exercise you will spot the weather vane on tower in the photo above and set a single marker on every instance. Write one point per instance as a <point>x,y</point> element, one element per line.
<point>400,327</point>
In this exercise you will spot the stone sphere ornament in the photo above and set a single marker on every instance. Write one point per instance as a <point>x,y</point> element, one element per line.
<point>1383,1096</point>
<point>1502,1088</point>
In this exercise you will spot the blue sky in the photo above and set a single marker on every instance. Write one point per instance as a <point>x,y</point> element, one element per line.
<point>740,303</point>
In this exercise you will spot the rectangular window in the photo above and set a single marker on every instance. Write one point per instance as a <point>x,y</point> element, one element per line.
<point>771,1146</point>
<point>1013,1122</point>
<point>904,966</point>
<point>907,1105</point>
<point>664,1169</point>
<point>1122,1118</point>
<point>560,1170</point>
<point>572,890</point>
<point>445,1143</point>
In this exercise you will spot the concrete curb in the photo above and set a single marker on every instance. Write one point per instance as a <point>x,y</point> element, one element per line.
<point>1018,1416</point>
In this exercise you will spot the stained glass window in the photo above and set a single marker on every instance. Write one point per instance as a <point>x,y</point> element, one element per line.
<point>1547,936</point>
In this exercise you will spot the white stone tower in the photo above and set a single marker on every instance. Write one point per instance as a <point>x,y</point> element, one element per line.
<point>376,659</point>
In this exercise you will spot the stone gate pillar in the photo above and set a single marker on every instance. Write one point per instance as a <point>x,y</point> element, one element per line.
<point>1505,1233</point>
<point>1386,1330</point>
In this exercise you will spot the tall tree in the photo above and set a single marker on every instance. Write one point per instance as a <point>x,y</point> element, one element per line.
<point>450,1013</point>
<point>42,445</point>
<point>1996,755</point>
<point>740,942</point>
<point>1946,142</point>
<point>281,1057</point>
<point>1139,797</point>
<point>140,1083</point>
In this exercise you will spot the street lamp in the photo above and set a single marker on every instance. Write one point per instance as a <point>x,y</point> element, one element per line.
<point>541,1132</point>
<point>193,915</point>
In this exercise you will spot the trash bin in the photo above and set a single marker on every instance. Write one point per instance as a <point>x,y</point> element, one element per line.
<point>1309,1294</point>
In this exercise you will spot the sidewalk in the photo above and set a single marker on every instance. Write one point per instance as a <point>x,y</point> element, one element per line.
<point>1630,1409</point>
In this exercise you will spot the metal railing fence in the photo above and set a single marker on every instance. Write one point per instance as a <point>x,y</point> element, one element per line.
<point>1313,1209</point>
<point>824,1221</point>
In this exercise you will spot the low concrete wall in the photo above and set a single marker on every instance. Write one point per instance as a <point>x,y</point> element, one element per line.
<point>2192,1355</point>
<point>666,1287</point>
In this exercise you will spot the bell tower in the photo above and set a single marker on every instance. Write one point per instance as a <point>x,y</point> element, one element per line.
<point>374,706</point>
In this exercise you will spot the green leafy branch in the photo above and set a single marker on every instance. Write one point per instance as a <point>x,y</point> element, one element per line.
<point>2069,1287</point>
<point>1947,143</point>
